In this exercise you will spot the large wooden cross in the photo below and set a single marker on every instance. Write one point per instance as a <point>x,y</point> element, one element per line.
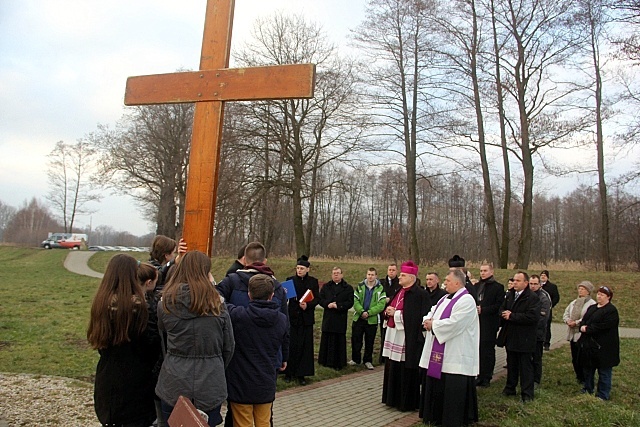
<point>209,88</point>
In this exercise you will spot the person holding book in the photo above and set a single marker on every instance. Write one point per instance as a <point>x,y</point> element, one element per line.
<point>261,331</point>
<point>336,297</point>
<point>369,300</point>
<point>301,321</point>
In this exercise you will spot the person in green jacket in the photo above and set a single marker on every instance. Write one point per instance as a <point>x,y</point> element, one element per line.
<point>368,302</point>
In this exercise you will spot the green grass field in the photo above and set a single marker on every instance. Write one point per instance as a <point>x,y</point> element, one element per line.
<point>44,312</point>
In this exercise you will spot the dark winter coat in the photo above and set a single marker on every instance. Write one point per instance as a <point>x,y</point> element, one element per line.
<point>234,267</point>
<point>490,298</point>
<point>124,383</point>
<point>235,287</point>
<point>199,348</point>
<point>552,290</point>
<point>260,330</point>
<point>601,336</point>
<point>437,294</point>
<point>390,286</point>
<point>519,332</point>
<point>334,320</point>
<point>298,316</point>
<point>416,305</point>
<point>545,312</point>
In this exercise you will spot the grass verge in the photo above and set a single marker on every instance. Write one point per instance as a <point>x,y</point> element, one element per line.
<point>558,401</point>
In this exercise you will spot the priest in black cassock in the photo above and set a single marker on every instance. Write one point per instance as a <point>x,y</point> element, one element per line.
<point>301,321</point>
<point>404,341</point>
<point>451,357</point>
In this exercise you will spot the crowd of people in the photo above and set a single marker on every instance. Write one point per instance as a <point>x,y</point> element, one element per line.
<point>165,329</point>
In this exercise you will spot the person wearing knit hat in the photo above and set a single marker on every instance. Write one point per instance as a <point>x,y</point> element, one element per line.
<point>600,343</point>
<point>552,290</point>
<point>404,340</point>
<point>301,321</point>
<point>572,317</point>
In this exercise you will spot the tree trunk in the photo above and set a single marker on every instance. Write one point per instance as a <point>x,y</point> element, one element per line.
<point>490,215</point>
<point>506,210</point>
<point>602,185</point>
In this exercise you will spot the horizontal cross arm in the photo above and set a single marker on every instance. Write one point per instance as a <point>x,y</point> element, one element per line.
<point>226,84</point>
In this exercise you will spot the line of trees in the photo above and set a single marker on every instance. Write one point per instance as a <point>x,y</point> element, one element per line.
<point>431,142</point>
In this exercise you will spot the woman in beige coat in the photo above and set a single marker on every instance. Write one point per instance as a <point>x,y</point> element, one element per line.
<point>572,317</point>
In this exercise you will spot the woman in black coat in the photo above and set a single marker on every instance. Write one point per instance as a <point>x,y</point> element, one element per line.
<point>301,321</point>
<point>599,344</point>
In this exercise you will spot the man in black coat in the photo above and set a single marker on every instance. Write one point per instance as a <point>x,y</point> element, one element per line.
<point>391,286</point>
<point>336,297</point>
<point>520,312</point>
<point>490,298</point>
<point>552,290</point>
<point>434,289</point>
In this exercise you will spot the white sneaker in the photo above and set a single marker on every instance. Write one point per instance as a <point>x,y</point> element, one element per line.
<point>351,363</point>
<point>369,366</point>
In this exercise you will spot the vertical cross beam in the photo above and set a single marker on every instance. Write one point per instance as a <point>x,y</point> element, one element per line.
<point>204,159</point>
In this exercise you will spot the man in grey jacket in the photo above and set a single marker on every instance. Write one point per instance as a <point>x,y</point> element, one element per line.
<point>541,331</point>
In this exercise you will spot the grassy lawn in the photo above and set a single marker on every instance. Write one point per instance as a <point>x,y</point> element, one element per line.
<point>558,401</point>
<point>624,284</point>
<point>44,313</point>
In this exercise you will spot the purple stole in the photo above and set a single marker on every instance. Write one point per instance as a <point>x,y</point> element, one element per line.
<point>437,350</point>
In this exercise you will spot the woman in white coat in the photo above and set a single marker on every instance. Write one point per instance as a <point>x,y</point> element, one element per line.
<point>573,317</point>
<point>451,357</point>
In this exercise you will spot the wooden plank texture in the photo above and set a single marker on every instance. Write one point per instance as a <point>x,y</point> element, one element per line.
<point>184,414</point>
<point>235,84</point>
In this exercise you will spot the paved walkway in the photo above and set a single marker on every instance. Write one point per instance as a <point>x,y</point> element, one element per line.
<point>348,400</point>
<point>76,262</point>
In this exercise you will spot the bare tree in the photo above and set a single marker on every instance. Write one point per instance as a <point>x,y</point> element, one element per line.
<point>297,138</point>
<point>71,188</point>
<point>146,157</point>
<point>31,224</point>
<point>536,39</point>
<point>7,212</point>
<point>395,39</point>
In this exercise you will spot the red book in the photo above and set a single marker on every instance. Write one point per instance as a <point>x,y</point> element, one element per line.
<point>307,296</point>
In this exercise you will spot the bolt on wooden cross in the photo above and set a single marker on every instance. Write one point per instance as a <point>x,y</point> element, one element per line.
<point>209,88</point>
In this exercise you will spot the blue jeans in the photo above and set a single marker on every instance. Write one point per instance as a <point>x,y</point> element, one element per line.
<point>214,415</point>
<point>604,381</point>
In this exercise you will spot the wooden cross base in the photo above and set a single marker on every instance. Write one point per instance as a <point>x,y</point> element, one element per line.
<point>186,415</point>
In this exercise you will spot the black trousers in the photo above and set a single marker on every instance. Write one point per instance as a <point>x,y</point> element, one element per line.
<point>537,362</point>
<point>487,360</point>
<point>520,367</point>
<point>361,329</point>
<point>577,367</point>
<point>382,331</point>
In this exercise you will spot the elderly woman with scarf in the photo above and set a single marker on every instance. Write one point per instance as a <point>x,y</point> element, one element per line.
<point>573,315</point>
<point>403,341</point>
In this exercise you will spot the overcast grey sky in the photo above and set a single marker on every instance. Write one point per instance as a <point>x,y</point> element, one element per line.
<point>64,64</point>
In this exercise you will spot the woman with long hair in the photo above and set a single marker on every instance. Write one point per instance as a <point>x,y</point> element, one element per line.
<point>123,393</point>
<point>200,339</point>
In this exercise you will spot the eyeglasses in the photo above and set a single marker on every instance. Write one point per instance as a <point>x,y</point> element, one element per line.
<point>605,288</point>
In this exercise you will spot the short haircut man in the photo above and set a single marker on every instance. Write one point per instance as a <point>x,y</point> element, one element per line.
<point>254,252</point>
<point>261,287</point>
